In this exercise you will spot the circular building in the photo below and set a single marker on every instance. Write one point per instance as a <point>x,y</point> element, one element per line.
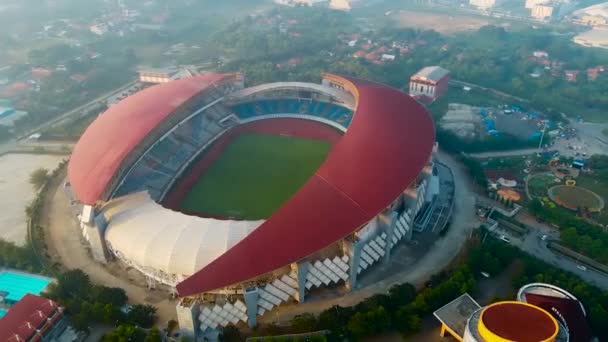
<point>243,199</point>
<point>511,321</point>
<point>565,308</point>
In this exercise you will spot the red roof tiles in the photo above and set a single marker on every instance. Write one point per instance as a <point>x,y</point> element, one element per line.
<point>26,317</point>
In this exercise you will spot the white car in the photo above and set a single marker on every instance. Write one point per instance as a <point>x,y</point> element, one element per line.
<point>581,267</point>
<point>505,239</point>
<point>544,237</point>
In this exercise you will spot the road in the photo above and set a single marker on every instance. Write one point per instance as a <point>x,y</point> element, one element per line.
<point>510,153</point>
<point>438,257</point>
<point>493,91</point>
<point>76,111</point>
<point>533,244</point>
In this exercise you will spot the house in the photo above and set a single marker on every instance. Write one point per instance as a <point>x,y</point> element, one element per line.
<point>429,84</point>
<point>571,75</point>
<point>387,57</point>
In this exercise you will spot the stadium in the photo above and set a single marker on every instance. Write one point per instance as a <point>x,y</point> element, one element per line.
<point>243,199</point>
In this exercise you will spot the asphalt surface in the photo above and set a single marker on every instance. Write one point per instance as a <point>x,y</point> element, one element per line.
<point>533,244</point>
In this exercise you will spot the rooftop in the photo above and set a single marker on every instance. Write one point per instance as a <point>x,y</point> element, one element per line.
<point>22,320</point>
<point>455,314</point>
<point>431,73</point>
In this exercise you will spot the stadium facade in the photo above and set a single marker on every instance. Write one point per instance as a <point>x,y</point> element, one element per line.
<point>136,161</point>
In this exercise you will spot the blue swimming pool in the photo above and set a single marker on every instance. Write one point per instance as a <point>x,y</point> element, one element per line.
<point>17,285</point>
<point>2,313</point>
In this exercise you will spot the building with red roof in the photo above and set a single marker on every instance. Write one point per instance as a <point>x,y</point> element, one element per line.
<point>33,318</point>
<point>15,89</point>
<point>136,161</point>
<point>41,73</point>
<point>359,54</point>
<point>571,75</point>
<point>371,56</point>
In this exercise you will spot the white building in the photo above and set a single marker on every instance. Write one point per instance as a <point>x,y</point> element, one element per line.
<point>99,29</point>
<point>483,4</point>
<point>386,57</point>
<point>157,75</point>
<point>542,12</point>
<point>294,2</point>
<point>531,3</point>
<point>342,5</point>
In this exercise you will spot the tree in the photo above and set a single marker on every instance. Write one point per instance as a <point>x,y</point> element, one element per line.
<point>142,315</point>
<point>153,335</point>
<point>303,323</point>
<point>407,322</point>
<point>171,325</point>
<point>402,294</point>
<point>124,333</point>
<point>230,333</point>
<point>369,323</point>
<point>39,177</point>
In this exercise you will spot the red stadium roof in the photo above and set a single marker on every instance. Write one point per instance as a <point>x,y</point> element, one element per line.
<point>106,143</point>
<point>24,318</point>
<point>386,146</point>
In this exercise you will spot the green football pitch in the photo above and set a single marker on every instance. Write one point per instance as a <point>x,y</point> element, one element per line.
<point>255,175</point>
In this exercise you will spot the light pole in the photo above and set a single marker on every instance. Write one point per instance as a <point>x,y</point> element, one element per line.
<point>540,143</point>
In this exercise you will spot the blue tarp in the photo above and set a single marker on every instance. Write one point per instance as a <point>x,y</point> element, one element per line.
<point>490,124</point>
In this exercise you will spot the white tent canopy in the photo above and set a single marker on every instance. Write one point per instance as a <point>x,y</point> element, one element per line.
<point>160,240</point>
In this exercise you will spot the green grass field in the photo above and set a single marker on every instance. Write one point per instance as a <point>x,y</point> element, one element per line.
<point>255,175</point>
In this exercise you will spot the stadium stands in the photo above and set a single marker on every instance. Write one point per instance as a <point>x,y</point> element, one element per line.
<point>330,111</point>
<point>158,167</point>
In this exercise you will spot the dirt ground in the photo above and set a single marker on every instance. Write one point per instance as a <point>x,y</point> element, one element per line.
<point>17,192</point>
<point>442,23</point>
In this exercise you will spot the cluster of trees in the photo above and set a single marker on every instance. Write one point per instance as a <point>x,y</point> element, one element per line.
<point>491,57</point>
<point>314,338</point>
<point>253,38</point>
<point>401,309</point>
<point>476,171</point>
<point>128,332</point>
<point>494,256</point>
<point>576,233</point>
<point>506,201</point>
<point>17,257</point>
<point>454,144</point>
<point>599,166</point>
<point>87,303</point>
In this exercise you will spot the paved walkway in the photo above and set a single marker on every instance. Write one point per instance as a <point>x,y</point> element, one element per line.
<point>439,256</point>
<point>63,239</point>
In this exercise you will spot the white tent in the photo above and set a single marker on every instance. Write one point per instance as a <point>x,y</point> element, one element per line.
<point>166,244</point>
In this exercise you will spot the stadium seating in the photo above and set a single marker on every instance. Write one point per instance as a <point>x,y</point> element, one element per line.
<point>329,111</point>
<point>156,170</point>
